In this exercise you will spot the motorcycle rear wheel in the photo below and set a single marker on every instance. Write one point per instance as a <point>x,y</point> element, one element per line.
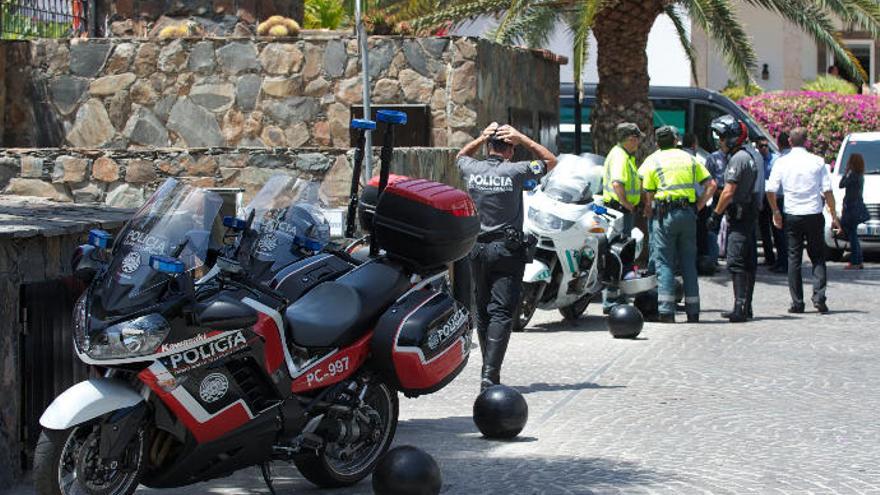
<point>527,306</point>
<point>63,456</point>
<point>327,471</point>
<point>574,311</point>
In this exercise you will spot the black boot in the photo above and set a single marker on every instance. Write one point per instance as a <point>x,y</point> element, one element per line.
<point>493,356</point>
<point>750,291</point>
<point>740,289</point>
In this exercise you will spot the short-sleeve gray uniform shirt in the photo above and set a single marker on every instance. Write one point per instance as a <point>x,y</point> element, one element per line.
<point>742,171</point>
<point>496,186</point>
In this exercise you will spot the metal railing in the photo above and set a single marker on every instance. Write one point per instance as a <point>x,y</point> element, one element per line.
<point>24,19</point>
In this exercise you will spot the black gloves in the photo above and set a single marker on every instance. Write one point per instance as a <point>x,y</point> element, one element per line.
<point>714,222</point>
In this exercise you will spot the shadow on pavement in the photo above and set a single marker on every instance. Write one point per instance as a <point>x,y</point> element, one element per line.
<point>590,323</point>
<point>555,387</point>
<point>473,464</point>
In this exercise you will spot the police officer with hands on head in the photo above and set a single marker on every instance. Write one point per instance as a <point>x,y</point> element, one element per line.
<point>622,188</point>
<point>741,204</point>
<point>671,180</point>
<point>499,256</point>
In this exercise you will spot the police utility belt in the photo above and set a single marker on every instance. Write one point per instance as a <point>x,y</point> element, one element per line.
<point>514,240</point>
<point>737,211</point>
<point>664,207</point>
<point>512,237</point>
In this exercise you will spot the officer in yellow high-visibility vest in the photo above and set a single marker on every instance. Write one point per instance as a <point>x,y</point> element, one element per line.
<point>671,205</point>
<point>622,188</point>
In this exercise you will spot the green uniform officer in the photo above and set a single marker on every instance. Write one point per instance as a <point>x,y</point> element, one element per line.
<point>670,183</point>
<point>622,188</point>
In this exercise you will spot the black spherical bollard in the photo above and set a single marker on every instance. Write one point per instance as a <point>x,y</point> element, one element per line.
<point>625,322</point>
<point>407,470</point>
<point>500,412</point>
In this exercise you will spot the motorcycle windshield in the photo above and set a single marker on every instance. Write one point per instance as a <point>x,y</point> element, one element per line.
<point>270,244</point>
<point>176,221</point>
<point>574,180</point>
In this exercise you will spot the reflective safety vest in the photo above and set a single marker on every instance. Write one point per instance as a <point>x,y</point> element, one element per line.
<point>673,174</point>
<point>620,166</point>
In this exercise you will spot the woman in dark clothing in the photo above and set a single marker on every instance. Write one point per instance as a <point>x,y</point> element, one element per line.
<point>854,211</point>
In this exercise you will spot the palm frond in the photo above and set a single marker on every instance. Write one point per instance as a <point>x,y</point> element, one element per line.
<point>718,20</point>
<point>864,14</point>
<point>458,11</point>
<point>502,33</point>
<point>816,22</point>
<point>536,26</point>
<point>582,26</point>
<point>684,38</point>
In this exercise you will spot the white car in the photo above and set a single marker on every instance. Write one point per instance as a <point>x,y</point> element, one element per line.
<point>868,144</point>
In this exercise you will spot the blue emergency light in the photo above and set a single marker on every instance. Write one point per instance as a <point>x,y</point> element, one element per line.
<point>363,124</point>
<point>391,117</point>
<point>600,210</point>
<point>166,264</point>
<point>234,223</point>
<point>101,239</point>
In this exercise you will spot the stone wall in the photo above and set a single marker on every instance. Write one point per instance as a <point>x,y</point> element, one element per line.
<point>259,93</point>
<point>124,178</point>
<point>215,17</point>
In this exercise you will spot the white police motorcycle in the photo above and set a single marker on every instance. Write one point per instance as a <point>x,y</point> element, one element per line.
<point>581,247</point>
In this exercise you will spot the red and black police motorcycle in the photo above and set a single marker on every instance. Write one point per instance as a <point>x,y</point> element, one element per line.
<point>301,362</point>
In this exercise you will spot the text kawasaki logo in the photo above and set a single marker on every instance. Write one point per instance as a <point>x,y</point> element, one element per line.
<point>207,353</point>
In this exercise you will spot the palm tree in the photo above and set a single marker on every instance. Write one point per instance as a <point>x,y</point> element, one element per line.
<point>621,29</point>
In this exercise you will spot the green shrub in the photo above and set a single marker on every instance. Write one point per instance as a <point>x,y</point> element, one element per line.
<point>828,117</point>
<point>324,14</point>
<point>736,93</point>
<point>830,84</point>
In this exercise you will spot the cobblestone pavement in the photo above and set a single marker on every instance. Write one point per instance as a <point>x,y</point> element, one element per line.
<point>784,404</point>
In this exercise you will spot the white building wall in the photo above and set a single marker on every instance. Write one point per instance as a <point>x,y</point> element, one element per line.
<point>790,54</point>
<point>667,63</point>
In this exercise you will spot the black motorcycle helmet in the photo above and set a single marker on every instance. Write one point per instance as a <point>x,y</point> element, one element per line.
<point>730,130</point>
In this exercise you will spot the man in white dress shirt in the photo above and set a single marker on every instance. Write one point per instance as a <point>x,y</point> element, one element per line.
<point>805,181</point>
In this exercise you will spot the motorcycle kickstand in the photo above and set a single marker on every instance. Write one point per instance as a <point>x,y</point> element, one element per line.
<point>266,469</point>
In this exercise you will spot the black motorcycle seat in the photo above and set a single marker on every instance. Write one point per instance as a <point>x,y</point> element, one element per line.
<point>336,313</point>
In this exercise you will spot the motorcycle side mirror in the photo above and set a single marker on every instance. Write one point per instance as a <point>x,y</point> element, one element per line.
<point>84,263</point>
<point>224,313</point>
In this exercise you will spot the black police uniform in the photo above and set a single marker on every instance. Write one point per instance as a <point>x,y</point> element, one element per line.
<point>742,215</point>
<point>499,256</point>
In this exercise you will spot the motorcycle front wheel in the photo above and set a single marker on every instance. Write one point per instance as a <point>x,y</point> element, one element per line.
<point>344,463</point>
<point>575,310</point>
<point>527,305</point>
<point>68,462</point>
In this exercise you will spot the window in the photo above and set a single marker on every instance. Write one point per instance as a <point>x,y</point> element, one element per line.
<point>870,151</point>
<point>704,114</point>
<point>669,111</point>
<point>863,50</point>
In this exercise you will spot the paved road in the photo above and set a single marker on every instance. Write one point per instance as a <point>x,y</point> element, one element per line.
<point>784,404</point>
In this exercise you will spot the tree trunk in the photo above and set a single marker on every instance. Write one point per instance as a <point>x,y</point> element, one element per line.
<point>621,30</point>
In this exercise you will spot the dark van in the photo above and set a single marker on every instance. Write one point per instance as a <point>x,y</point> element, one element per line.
<point>688,109</point>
